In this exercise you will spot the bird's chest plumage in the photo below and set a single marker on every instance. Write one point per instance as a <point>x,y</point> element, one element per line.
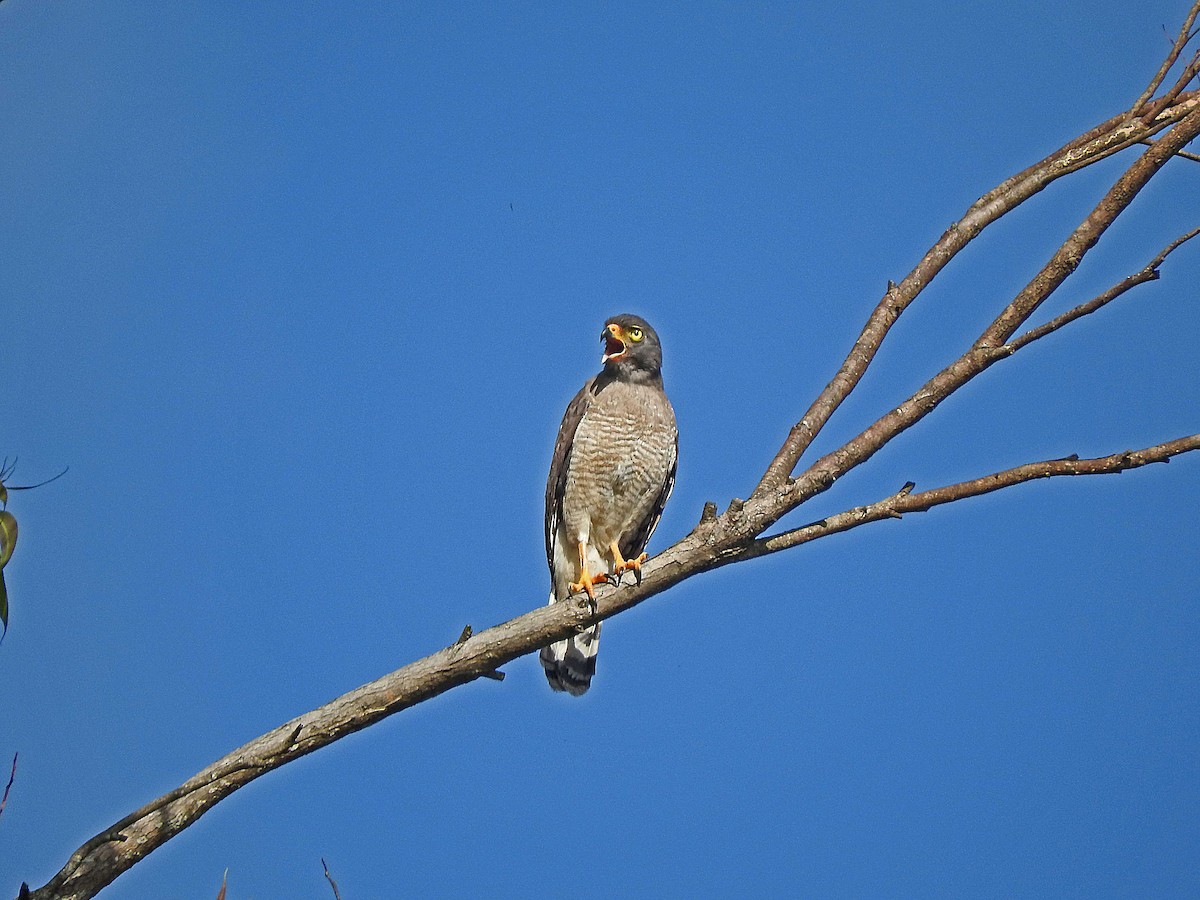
<point>622,453</point>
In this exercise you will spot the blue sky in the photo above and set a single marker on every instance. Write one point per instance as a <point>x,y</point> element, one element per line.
<point>299,292</point>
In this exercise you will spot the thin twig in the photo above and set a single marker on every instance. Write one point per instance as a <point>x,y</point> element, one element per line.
<point>1181,41</point>
<point>1148,273</point>
<point>8,787</point>
<point>333,884</point>
<point>1185,77</point>
<point>898,504</point>
<point>1182,154</point>
<point>30,487</point>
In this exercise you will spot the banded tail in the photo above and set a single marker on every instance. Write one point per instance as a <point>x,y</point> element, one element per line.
<point>571,663</point>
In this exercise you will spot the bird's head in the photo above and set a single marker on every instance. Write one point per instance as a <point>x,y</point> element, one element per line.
<point>631,347</point>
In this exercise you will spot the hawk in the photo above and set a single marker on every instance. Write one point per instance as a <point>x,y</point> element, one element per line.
<point>611,473</point>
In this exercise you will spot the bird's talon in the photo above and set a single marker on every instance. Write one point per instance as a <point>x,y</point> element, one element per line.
<point>587,583</point>
<point>630,565</point>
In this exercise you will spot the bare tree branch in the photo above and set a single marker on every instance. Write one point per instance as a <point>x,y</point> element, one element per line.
<point>1071,253</point>
<point>768,507</point>
<point>1182,154</point>
<point>737,534</point>
<point>116,849</point>
<point>1189,72</point>
<point>1185,35</point>
<point>1148,273</point>
<point>1101,142</point>
<point>904,501</point>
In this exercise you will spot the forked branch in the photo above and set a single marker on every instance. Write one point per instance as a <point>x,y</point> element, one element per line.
<point>904,501</point>
<point>1149,272</point>
<point>1100,142</point>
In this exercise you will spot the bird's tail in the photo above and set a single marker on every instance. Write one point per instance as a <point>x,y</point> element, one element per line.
<point>571,663</point>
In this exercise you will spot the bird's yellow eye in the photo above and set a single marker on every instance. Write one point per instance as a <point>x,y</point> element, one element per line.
<point>635,334</point>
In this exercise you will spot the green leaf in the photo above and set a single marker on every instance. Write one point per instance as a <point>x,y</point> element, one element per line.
<point>8,536</point>
<point>8,540</point>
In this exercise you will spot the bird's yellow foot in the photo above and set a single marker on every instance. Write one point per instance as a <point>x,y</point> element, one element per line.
<point>622,565</point>
<point>587,582</point>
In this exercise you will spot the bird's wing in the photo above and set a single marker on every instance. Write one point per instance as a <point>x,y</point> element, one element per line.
<point>636,539</point>
<point>556,484</point>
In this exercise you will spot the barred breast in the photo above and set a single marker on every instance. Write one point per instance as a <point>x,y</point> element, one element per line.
<point>623,451</point>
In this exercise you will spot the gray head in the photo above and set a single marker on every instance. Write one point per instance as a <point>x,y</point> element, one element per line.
<point>631,348</point>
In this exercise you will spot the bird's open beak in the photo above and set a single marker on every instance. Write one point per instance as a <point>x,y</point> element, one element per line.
<point>614,343</point>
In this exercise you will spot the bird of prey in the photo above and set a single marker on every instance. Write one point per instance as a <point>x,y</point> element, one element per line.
<point>611,473</point>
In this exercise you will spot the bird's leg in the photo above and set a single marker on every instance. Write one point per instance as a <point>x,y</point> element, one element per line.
<point>587,581</point>
<point>622,565</point>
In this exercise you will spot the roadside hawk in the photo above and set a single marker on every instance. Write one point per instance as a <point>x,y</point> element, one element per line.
<point>612,471</point>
